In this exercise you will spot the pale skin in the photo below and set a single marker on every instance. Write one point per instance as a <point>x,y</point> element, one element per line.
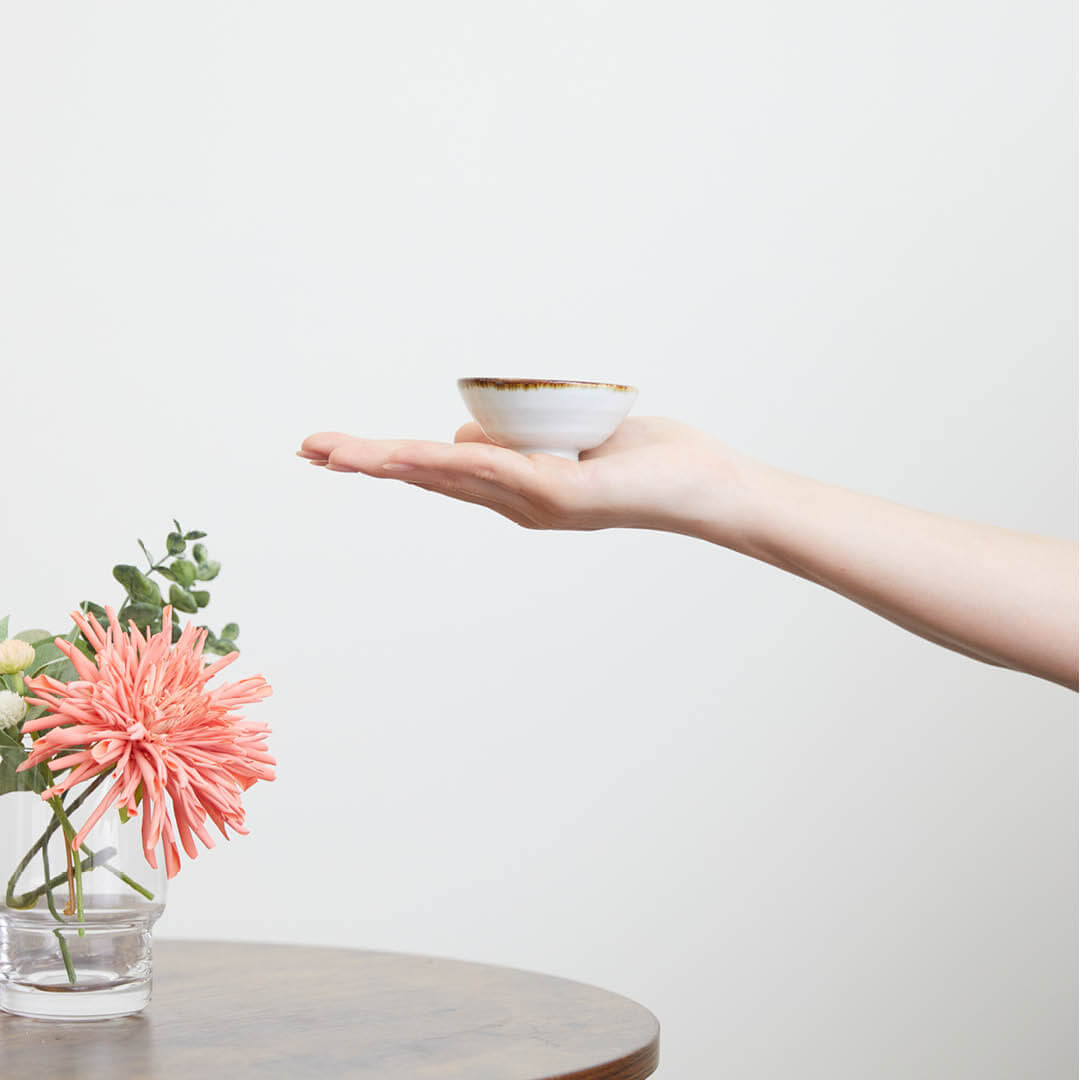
<point>1005,598</point>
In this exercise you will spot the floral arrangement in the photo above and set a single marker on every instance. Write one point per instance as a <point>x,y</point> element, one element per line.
<point>124,696</point>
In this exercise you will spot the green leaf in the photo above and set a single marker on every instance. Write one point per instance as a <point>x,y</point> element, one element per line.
<point>45,652</point>
<point>202,597</point>
<point>181,599</point>
<point>207,571</point>
<point>226,646</point>
<point>198,553</point>
<point>96,610</point>
<point>143,615</point>
<point>175,543</point>
<point>49,660</point>
<point>12,755</point>
<point>149,557</point>
<point>230,630</point>
<point>34,712</point>
<point>32,637</point>
<point>126,575</point>
<point>183,572</point>
<point>86,648</point>
<point>195,534</point>
<point>212,644</point>
<point>165,572</point>
<point>138,585</point>
<point>147,592</point>
<point>4,627</point>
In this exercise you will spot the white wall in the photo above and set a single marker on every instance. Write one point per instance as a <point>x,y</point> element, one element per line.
<point>840,234</point>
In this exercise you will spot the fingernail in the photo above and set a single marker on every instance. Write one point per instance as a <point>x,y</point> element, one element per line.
<point>320,463</point>
<point>397,466</point>
<point>307,455</point>
<point>340,468</point>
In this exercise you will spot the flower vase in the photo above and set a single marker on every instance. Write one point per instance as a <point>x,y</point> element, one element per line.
<point>74,924</point>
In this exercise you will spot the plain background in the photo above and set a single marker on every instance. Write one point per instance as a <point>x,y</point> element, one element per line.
<point>842,235</point>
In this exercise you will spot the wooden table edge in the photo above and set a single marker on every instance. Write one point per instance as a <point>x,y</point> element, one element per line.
<point>637,1065</point>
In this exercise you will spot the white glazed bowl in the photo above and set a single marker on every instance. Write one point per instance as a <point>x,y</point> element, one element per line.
<point>547,416</point>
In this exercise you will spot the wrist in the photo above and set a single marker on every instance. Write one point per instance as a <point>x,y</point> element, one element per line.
<point>724,499</point>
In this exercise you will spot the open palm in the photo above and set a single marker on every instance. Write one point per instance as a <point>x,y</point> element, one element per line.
<point>649,474</point>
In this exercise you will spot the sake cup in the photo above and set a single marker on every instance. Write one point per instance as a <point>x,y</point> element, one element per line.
<point>547,416</point>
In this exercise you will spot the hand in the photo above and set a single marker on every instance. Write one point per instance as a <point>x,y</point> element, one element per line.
<point>652,473</point>
<point>1002,597</point>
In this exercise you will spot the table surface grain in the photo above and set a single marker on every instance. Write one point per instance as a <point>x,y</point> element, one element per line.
<point>228,1010</point>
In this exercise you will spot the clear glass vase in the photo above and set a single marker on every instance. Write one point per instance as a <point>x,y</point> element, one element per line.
<point>76,947</point>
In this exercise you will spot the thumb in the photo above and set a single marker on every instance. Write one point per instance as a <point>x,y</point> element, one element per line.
<point>472,432</point>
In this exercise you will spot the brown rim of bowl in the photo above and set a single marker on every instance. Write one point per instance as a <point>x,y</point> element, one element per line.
<point>540,384</point>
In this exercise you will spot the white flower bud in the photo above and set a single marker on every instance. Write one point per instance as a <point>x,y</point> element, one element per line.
<point>12,709</point>
<point>15,655</point>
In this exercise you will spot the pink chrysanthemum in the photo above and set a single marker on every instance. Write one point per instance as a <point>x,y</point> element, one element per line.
<point>144,711</point>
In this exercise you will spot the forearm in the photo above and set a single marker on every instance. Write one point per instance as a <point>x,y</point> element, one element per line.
<point>1005,597</point>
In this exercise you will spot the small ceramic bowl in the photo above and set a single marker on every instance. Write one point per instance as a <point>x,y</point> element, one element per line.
<point>547,416</point>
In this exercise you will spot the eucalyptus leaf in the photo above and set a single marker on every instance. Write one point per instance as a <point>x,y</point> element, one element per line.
<point>227,646</point>
<point>11,757</point>
<point>32,637</point>
<point>126,575</point>
<point>195,534</point>
<point>213,645</point>
<point>147,592</point>
<point>175,543</point>
<point>45,653</point>
<point>207,571</point>
<point>202,597</point>
<point>96,610</point>
<point>143,615</point>
<point>138,585</point>
<point>198,553</point>
<point>62,670</point>
<point>181,599</point>
<point>184,572</point>
<point>34,712</point>
<point>165,572</point>
<point>230,630</point>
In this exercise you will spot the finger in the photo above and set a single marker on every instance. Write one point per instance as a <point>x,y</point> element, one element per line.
<point>516,516</point>
<point>370,455</point>
<point>471,432</point>
<point>450,463</point>
<point>320,445</point>
<point>477,460</point>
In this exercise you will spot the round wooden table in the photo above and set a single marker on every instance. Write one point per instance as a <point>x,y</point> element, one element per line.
<point>225,1010</point>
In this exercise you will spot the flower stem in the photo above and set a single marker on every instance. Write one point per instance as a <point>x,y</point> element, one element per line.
<point>10,899</point>
<point>69,832</point>
<point>75,902</point>
<point>27,900</point>
<point>91,862</point>
<point>69,967</point>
